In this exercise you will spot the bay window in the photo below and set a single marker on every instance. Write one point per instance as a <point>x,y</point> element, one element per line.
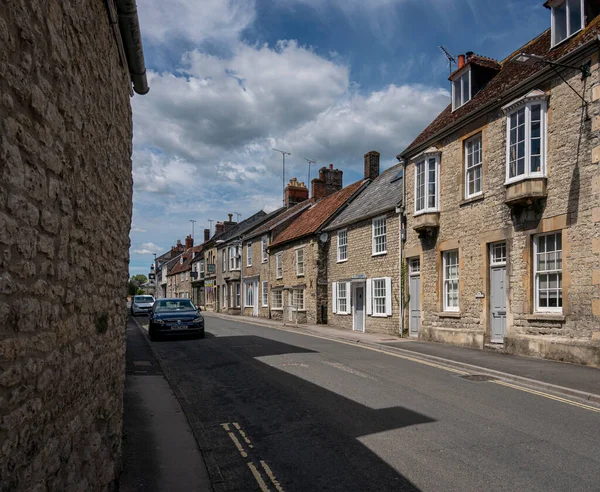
<point>426,185</point>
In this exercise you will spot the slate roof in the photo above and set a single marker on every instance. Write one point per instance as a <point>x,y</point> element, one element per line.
<point>242,227</point>
<point>508,78</point>
<point>281,217</point>
<point>318,214</point>
<point>382,195</point>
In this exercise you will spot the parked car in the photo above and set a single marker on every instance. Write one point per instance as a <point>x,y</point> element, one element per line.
<point>175,317</point>
<point>141,305</point>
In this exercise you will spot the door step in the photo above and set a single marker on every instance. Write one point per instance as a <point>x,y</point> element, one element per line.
<point>496,347</point>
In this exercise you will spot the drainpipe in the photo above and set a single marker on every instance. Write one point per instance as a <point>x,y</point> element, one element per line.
<point>131,35</point>
<point>401,209</point>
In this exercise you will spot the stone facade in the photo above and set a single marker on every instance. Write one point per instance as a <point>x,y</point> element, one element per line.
<point>65,214</point>
<point>312,283</point>
<point>254,276</point>
<point>228,279</point>
<point>211,296</point>
<point>571,208</point>
<point>361,267</point>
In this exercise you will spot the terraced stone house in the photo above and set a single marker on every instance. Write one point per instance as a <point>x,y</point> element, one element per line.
<point>363,265</point>
<point>503,199</point>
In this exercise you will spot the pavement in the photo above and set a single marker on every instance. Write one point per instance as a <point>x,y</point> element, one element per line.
<point>160,453</point>
<point>559,377</point>
<point>286,409</point>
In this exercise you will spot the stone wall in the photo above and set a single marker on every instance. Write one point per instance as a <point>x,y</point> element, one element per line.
<point>290,279</point>
<point>571,207</point>
<point>361,262</point>
<point>65,214</point>
<point>258,271</point>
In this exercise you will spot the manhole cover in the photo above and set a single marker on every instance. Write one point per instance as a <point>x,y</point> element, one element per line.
<point>478,377</point>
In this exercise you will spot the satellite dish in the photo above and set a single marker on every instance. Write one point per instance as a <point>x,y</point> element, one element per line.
<point>324,237</point>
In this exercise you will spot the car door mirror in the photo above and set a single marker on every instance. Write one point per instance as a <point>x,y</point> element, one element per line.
<point>199,309</point>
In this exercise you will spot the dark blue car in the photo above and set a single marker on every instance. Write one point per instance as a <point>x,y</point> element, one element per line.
<point>175,317</point>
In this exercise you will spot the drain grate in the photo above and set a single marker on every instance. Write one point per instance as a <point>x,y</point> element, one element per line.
<point>478,377</point>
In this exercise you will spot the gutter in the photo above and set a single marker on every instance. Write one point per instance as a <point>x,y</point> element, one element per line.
<point>529,83</point>
<point>131,37</point>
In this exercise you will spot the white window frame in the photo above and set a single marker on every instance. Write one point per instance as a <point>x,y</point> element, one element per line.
<point>265,293</point>
<point>460,80</point>
<point>471,169</point>
<point>249,254</point>
<point>300,264</point>
<point>201,266</point>
<point>570,32</point>
<point>249,294</point>
<point>342,298</point>
<point>238,294</point>
<point>224,297</point>
<point>385,282</point>
<point>528,174</point>
<point>498,254</point>
<point>446,281</point>
<point>374,227</point>
<point>414,266</point>
<point>425,161</point>
<point>264,244</point>
<point>279,265</point>
<point>296,297</point>
<point>342,257</point>
<point>224,259</point>
<point>537,274</point>
<point>277,299</point>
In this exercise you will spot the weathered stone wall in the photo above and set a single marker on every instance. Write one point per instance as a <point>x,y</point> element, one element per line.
<point>572,207</point>
<point>308,281</point>
<point>362,262</point>
<point>65,213</point>
<point>258,271</point>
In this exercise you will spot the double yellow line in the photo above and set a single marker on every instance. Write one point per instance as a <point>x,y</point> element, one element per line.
<point>262,483</point>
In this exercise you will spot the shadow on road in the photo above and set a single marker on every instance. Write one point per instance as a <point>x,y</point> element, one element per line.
<point>307,433</point>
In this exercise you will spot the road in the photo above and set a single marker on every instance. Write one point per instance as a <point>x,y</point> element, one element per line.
<point>281,411</point>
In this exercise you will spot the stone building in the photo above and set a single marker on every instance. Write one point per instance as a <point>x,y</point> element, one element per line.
<point>503,201</point>
<point>363,265</point>
<point>65,215</point>
<point>298,255</point>
<point>161,268</point>
<point>179,281</point>
<point>229,276</point>
<point>197,273</point>
<point>255,257</point>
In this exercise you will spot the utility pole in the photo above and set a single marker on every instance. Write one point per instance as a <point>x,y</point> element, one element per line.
<point>210,227</point>
<point>193,222</point>
<point>310,161</point>
<point>283,154</point>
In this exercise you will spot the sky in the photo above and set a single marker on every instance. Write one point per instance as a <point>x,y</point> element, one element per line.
<point>326,80</point>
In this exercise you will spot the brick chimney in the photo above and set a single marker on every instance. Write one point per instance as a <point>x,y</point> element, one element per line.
<point>295,192</point>
<point>328,182</point>
<point>189,242</point>
<point>219,228</point>
<point>371,165</point>
<point>178,248</point>
<point>206,234</point>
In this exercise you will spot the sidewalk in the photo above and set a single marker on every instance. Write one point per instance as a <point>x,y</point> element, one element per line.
<point>567,379</point>
<point>160,453</point>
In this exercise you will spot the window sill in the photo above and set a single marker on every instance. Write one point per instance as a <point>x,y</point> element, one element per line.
<point>276,309</point>
<point>299,275</point>
<point>426,211</point>
<point>380,254</point>
<point>448,314</point>
<point>343,261</point>
<point>472,199</point>
<point>555,317</point>
<point>379,315</point>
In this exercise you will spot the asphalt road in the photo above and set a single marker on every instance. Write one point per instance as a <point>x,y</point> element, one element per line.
<point>280,411</point>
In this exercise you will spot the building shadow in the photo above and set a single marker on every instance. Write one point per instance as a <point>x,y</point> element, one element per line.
<point>308,434</point>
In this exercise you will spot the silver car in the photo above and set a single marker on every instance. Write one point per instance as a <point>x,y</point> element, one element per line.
<point>141,305</point>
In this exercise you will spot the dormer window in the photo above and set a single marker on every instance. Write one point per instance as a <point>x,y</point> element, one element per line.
<point>567,19</point>
<point>461,89</point>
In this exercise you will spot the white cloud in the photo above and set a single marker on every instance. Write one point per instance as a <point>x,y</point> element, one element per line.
<point>195,21</point>
<point>148,249</point>
<point>135,228</point>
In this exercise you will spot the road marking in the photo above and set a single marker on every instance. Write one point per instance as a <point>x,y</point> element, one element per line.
<point>225,426</point>
<point>258,477</point>
<point>238,444</point>
<point>271,475</point>
<point>243,434</point>
<point>549,396</point>
<point>347,369</point>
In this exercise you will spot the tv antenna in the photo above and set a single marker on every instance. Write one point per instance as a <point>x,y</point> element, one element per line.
<point>310,161</point>
<point>283,154</point>
<point>210,225</point>
<point>237,216</point>
<point>451,59</point>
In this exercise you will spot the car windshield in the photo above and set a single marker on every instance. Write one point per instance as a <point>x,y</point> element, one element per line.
<point>174,305</point>
<point>143,299</point>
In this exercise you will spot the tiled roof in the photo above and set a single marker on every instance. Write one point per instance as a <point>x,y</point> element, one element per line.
<point>318,215</point>
<point>188,256</point>
<point>509,77</point>
<point>281,217</point>
<point>479,61</point>
<point>383,194</point>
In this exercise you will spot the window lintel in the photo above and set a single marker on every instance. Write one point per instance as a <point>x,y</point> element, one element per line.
<point>531,96</point>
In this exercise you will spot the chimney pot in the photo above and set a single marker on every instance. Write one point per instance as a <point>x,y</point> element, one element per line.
<point>295,192</point>
<point>328,182</point>
<point>189,242</point>
<point>230,217</point>
<point>331,167</point>
<point>461,61</point>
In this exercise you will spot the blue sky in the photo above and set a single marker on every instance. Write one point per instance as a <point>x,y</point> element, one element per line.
<point>323,79</point>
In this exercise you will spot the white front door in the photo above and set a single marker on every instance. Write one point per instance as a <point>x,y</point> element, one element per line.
<point>497,292</point>
<point>358,307</point>
<point>414,290</point>
<point>256,296</point>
